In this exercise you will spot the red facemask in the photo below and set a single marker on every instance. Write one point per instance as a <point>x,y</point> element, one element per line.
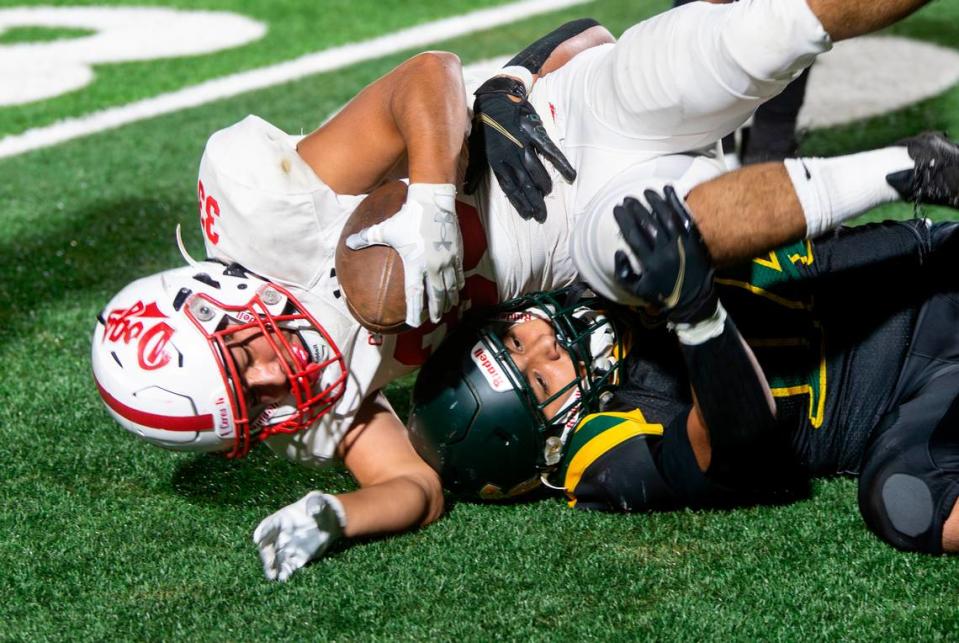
<point>302,373</point>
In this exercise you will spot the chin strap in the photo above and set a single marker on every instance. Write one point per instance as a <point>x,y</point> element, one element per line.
<point>602,341</point>
<point>544,479</point>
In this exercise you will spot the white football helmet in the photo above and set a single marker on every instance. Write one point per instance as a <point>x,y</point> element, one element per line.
<point>162,367</point>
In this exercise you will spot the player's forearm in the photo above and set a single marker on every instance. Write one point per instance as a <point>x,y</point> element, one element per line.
<point>429,109</point>
<point>398,490</point>
<point>734,413</point>
<point>414,115</point>
<point>402,503</point>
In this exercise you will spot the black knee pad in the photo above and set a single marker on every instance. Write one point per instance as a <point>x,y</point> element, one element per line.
<point>899,508</point>
<point>897,500</point>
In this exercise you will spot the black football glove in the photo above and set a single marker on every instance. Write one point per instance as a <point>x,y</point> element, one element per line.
<point>675,272</point>
<point>507,136</point>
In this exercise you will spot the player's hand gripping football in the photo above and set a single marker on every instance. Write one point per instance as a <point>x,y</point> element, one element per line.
<point>508,137</point>
<point>673,271</point>
<point>298,533</point>
<point>427,235</point>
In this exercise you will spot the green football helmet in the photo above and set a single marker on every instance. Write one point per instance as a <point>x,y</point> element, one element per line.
<point>476,419</point>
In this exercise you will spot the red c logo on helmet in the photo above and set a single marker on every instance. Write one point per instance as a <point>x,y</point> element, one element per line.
<point>152,347</point>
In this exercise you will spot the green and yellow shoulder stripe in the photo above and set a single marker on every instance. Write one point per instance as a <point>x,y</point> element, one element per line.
<point>595,436</point>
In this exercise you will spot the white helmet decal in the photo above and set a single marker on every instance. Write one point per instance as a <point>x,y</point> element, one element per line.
<point>166,373</point>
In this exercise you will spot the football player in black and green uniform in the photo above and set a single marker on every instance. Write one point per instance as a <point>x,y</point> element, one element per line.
<point>850,365</point>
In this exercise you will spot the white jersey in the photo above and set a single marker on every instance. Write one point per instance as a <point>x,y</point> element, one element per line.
<point>628,116</point>
<point>263,207</point>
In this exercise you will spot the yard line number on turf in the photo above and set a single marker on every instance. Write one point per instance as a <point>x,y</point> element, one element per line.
<point>109,46</point>
<point>858,79</point>
<point>34,71</point>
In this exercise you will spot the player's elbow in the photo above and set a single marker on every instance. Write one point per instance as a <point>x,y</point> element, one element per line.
<point>433,489</point>
<point>423,483</point>
<point>428,495</point>
<point>436,64</point>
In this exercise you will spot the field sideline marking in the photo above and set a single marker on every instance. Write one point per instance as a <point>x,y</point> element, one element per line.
<point>309,64</point>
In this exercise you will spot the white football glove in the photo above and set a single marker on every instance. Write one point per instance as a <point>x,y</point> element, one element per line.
<point>298,533</point>
<point>426,233</point>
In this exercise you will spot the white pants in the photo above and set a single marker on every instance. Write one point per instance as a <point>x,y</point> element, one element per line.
<point>649,109</point>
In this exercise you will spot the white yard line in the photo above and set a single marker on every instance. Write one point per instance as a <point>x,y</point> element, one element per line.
<point>322,61</point>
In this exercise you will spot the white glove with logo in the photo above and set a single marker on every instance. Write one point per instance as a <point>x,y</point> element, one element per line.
<point>426,233</point>
<point>298,533</point>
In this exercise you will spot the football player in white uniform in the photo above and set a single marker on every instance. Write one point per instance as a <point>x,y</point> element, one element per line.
<point>257,343</point>
<point>307,375</point>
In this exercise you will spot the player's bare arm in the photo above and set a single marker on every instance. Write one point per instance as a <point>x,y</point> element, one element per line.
<point>411,122</point>
<point>398,491</point>
<point>412,118</point>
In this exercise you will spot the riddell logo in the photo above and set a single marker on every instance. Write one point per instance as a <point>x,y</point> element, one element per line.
<point>127,324</point>
<point>489,369</point>
<point>517,316</point>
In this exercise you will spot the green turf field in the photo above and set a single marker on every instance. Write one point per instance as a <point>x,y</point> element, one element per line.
<point>106,537</point>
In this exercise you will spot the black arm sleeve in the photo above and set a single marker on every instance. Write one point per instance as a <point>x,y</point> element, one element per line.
<point>693,488</point>
<point>676,461</point>
<point>534,56</point>
<point>626,478</point>
<point>652,473</point>
<point>731,392</point>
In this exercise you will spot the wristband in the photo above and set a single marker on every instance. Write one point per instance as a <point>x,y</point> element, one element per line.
<point>442,195</point>
<point>334,503</point>
<point>702,331</point>
<point>521,74</point>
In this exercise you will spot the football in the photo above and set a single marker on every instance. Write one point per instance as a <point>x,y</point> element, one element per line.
<point>372,278</point>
